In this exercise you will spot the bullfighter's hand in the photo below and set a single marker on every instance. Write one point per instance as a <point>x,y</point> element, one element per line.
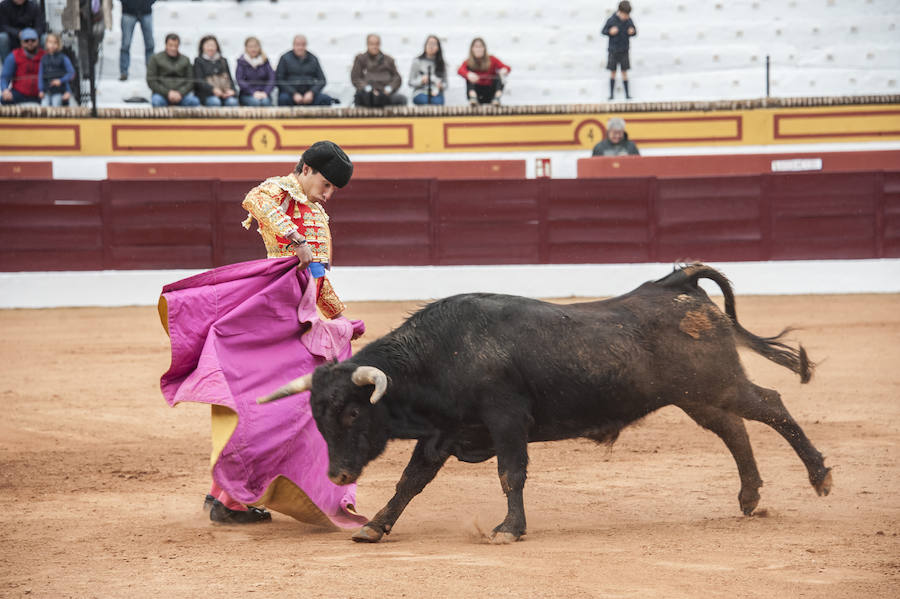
<point>631,31</point>
<point>613,30</point>
<point>304,254</point>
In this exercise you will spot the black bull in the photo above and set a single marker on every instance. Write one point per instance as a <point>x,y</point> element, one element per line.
<point>479,375</point>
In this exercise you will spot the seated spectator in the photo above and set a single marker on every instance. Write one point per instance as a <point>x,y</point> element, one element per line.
<point>300,78</point>
<point>212,77</point>
<point>484,75</point>
<point>16,15</point>
<point>254,74</point>
<point>19,78</point>
<point>616,142</point>
<point>56,71</point>
<point>428,74</point>
<point>170,76</point>
<point>375,76</point>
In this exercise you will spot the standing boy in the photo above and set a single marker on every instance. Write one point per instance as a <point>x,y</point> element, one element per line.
<point>619,28</point>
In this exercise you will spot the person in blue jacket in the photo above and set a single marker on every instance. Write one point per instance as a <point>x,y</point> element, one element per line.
<point>54,74</point>
<point>620,28</point>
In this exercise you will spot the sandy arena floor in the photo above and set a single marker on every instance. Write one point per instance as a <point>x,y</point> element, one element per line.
<point>102,484</point>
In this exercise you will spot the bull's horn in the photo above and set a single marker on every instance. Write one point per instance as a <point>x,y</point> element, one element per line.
<point>369,375</point>
<point>304,383</point>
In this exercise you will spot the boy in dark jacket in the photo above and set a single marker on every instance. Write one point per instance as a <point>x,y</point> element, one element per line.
<point>620,28</point>
<point>54,74</point>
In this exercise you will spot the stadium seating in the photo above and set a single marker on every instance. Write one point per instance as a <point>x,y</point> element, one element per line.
<point>702,50</point>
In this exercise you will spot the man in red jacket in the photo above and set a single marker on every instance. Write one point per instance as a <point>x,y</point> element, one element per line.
<point>19,78</point>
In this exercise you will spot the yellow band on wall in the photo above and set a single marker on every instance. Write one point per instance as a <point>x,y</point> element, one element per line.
<point>476,133</point>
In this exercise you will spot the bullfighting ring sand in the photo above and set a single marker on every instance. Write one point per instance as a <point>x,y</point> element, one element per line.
<point>102,484</point>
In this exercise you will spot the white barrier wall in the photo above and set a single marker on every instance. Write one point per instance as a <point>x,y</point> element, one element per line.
<point>699,50</point>
<point>142,287</point>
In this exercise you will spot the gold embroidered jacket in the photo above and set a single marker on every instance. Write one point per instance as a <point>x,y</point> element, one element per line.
<point>281,208</point>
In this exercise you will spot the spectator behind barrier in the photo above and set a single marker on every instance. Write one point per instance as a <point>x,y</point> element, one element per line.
<point>254,74</point>
<point>620,28</point>
<point>19,77</point>
<point>428,73</point>
<point>170,76</point>
<point>16,15</point>
<point>55,73</point>
<point>134,12</point>
<point>375,76</point>
<point>95,18</point>
<point>484,75</point>
<point>300,77</point>
<point>212,77</point>
<point>616,142</point>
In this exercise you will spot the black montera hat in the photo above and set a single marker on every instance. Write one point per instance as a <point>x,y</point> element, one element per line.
<point>329,159</point>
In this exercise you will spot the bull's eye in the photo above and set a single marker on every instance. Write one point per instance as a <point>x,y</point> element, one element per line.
<point>350,415</point>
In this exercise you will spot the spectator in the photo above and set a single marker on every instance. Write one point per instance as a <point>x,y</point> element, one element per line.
<point>375,76</point>
<point>95,18</point>
<point>428,74</point>
<point>134,12</point>
<point>616,142</point>
<point>254,74</point>
<point>19,78</point>
<point>484,75</point>
<point>16,15</point>
<point>620,28</point>
<point>300,77</point>
<point>54,75</point>
<point>170,76</point>
<point>212,77</point>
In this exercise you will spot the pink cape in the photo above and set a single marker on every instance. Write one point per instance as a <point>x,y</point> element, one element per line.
<point>237,333</point>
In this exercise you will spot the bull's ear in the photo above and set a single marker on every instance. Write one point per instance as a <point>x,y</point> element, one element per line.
<point>369,375</point>
<point>304,383</point>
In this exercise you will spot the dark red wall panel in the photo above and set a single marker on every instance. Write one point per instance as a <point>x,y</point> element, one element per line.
<point>51,225</point>
<point>83,225</point>
<point>890,207</point>
<point>599,221</point>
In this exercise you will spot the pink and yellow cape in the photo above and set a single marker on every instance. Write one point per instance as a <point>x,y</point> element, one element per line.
<point>238,332</point>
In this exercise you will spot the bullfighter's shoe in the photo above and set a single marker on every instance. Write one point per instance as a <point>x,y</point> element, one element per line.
<point>208,502</point>
<point>223,515</point>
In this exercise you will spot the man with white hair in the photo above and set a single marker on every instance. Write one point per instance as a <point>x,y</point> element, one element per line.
<point>616,142</point>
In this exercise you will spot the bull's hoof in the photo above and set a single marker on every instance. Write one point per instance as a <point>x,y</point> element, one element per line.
<point>823,487</point>
<point>749,500</point>
<point>367,534</point>
<point>503,538</point>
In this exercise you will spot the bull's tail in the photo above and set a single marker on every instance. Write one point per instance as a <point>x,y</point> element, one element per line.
<point>771,348</point>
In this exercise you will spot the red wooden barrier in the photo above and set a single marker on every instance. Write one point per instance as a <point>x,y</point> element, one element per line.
<point>731,164</point>
<point>26,170</point>
<point>51,225</point>
<point>87,225</point>
<point>248,171</point>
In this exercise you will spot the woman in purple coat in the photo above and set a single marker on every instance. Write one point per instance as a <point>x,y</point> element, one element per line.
<point>254,75</point>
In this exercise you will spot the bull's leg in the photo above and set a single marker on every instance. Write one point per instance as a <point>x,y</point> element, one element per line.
<point>731,430</point>
<point>509,432</point>
<point>765,405</point>
<point>420,471</point>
